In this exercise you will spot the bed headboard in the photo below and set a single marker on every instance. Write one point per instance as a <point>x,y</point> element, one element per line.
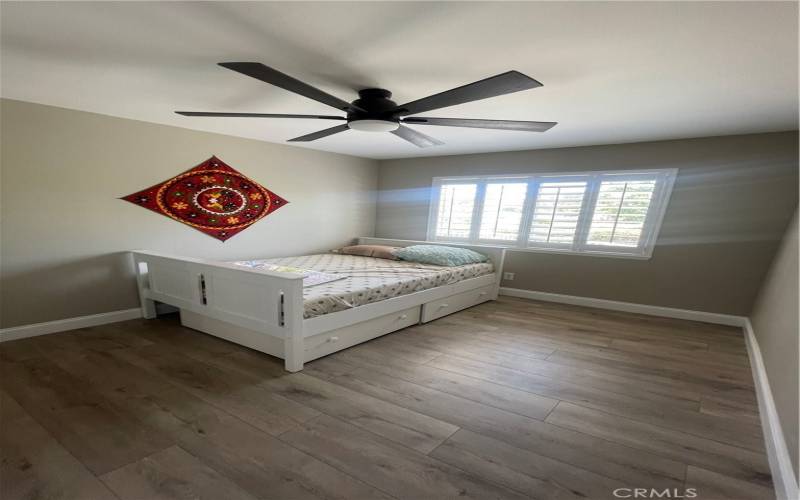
<point>495,254</point>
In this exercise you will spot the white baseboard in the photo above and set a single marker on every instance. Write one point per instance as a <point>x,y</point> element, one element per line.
<point>24,331</point>
<point>783,476</point>
<point>667,312</point>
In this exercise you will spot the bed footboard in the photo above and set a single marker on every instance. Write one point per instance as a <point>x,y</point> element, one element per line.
<point>269,303</point>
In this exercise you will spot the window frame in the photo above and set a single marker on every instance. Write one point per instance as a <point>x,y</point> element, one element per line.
<point>665,180</point>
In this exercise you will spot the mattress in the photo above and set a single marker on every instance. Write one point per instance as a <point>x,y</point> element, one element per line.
<point>367,280</point>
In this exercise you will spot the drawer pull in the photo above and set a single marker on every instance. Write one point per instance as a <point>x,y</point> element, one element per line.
<point>484,293</point>
<point>402,316</point>
<point>442,306</point>
<point>329,340</point>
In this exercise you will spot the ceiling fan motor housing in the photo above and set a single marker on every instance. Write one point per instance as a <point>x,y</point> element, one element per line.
<point>377,104</point>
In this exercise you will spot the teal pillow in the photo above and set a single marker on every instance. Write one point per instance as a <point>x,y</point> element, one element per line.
<point>440,255</point>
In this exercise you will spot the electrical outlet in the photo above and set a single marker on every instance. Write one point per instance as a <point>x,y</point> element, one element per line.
<point>508,276</point>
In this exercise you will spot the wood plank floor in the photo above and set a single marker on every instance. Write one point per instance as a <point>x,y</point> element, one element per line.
<point>511,399</point>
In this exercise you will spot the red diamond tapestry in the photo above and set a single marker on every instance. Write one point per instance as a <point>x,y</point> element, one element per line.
<point>212,197</point>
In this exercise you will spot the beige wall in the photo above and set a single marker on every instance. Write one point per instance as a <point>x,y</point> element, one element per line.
<point>732,199</point>
<point>775,324</point>
<point>64,232</point>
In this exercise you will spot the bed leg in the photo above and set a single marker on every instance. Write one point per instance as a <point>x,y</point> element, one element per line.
<point>293,365</point>
<point>148,308</point>
<point>294,347</point>
<point>294,351</point>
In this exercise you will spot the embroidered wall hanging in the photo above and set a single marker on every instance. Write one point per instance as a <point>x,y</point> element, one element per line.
<point>212,197</point>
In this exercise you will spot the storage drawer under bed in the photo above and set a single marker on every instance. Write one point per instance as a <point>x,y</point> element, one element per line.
<point>448,305</point>
<point>326,343</point>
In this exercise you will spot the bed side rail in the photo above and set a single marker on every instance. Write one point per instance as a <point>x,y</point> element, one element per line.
<point>260,300</point>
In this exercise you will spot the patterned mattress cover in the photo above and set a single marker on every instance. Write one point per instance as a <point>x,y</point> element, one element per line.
<point>368,279</point>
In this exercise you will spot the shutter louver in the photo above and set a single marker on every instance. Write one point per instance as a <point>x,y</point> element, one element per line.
<point>620,213</point>
<point>456,203</point>
<point>556,212</point>
<point>502,211</point>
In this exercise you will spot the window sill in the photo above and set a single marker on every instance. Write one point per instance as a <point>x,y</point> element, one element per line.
<point>557,251</point>
<point>585,254</point>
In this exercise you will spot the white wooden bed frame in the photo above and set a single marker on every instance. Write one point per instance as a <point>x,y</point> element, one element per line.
<point>263,310</point>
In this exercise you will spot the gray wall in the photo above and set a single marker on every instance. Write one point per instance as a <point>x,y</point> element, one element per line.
<point>732,200</point>
<point>64,232</point>
<point>775,320</point>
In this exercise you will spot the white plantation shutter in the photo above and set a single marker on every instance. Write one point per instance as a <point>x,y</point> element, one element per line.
<point>456,204</point>
<point>603,213</point>
<point>556,212</point>
<point>620,212</point>
<point>502,210</point>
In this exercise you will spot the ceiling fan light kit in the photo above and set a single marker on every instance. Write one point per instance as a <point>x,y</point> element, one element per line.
<point>373,125</point>
<point>374,111</point>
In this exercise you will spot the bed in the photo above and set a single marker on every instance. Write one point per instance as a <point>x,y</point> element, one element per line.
<point>250,303</point>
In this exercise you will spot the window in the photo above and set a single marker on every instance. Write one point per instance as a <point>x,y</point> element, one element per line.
<point>502,210</point>
<point>620,212</point>
<point>603,213</point>
<point>556,213</point>
<point>456,205</point>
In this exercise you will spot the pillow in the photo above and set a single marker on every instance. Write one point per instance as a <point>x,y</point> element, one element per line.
<point>377,251</point>
<point>440,255</point>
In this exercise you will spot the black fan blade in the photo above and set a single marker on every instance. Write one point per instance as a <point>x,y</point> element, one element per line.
<point>286,82</point>
<point>258,115</point>
<point>320,134</point>
<point>492,124</point>
<point>506,83</point>
<point>416,138</point>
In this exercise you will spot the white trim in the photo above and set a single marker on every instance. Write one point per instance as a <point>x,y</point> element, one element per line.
<point>61,325</point>
<point>780,463</point>
<point>667,312</point>
<point>561,251</point>
<point>551,175</point>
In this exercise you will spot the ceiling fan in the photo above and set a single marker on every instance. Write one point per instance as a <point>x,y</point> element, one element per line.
<point>374,111</point>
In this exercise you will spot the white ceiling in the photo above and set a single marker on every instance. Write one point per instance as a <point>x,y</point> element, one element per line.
<point>612,72</point>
